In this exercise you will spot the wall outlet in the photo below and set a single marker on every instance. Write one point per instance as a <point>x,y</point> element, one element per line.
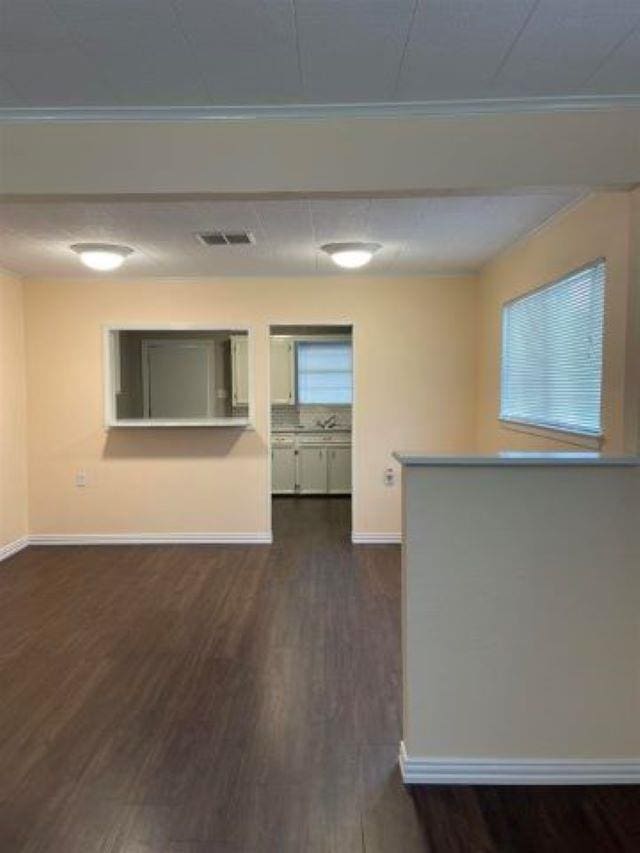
<point>81,479</point>
<point>389,477</point>
<point>222,393</point>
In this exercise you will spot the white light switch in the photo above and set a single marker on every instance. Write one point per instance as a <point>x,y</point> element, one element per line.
<point>389,477</point>
<point>81,479</point>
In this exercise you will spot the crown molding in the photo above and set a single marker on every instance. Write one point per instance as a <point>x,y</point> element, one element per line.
<point>404,109</point>
<point>547,223</point>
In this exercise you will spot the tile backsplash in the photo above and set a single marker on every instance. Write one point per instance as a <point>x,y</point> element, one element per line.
<point>307,416</point>
<point>293,416</point>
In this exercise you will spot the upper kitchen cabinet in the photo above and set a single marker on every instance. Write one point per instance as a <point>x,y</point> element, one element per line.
<point>176,377</point>
<point>240,370</point>
<point>283,371</point>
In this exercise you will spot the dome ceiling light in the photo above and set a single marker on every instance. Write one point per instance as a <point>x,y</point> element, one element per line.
<point>351,255</point>
<point>103,257</point>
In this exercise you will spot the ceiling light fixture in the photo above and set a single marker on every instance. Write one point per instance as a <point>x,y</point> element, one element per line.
<point>101,256</point>
<point>351,255</point>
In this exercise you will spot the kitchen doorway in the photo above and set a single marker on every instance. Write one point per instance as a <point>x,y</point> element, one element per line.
<point>311,425</point>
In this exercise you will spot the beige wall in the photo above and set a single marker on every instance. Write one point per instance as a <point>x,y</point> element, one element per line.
<point>427,374</point>
<point>339,155</point>
<point>414,342</point>
<point>13,445</point>
<point>598,226</point>
<point>521,596</point>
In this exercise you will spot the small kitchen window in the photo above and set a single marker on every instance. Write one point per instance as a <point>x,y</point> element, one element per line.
<point>324,372</point>
<point>552,350</point>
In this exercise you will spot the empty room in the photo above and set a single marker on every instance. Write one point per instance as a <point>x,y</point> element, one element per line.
<point>319,426</point>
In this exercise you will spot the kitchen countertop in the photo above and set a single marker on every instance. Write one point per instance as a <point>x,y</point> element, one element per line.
<point>312,430</point>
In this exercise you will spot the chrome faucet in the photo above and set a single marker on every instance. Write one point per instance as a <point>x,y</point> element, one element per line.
<point>327,423</point>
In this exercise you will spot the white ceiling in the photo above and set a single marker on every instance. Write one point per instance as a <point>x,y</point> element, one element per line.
<point>438,234</point>
<point>269,52</point>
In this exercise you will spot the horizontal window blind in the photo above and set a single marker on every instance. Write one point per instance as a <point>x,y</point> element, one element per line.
<point>552,342</point>
<point>324,372</point>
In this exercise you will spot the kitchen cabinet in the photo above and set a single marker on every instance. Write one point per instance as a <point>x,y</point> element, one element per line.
<point>240,370</point>
<point>283,465</point>
<point>339,470</point>
<point>312,470</point>
<point>283,470</point>
<point>311,464</point>
<point>283,372</point>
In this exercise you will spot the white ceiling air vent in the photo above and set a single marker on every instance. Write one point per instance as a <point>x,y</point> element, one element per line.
<point>226,238</point>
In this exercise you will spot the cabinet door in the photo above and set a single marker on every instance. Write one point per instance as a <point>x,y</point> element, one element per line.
<point>312,470</point>
<point>339,470</point>
<point>282,372</point>
<point>283,470</point>
<point>240,370</point>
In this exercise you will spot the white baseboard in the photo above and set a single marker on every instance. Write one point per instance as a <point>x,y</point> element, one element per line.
<point>12,548</point>
<point>150,539</point>
<point>521,771</point>
<point>376,538</point>
<point>255,538</point>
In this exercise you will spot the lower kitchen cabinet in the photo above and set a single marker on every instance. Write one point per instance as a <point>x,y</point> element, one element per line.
<point>312,470</point>
<point>283,470</point>
<point>310,466</point>
<point>339,470</point>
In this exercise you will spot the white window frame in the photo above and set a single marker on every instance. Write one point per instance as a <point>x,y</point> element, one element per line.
<point>565,435</point>
<point>110,377</point>
<point>320,339</point>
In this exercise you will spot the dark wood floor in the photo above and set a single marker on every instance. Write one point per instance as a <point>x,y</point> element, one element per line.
<point>208,699</point>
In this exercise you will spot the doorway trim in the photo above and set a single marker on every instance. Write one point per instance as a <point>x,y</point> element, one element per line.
<point>354,408</point>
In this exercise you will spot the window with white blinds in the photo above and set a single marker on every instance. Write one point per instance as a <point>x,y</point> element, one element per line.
<point>324,372</point>
<point>552,354</point>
